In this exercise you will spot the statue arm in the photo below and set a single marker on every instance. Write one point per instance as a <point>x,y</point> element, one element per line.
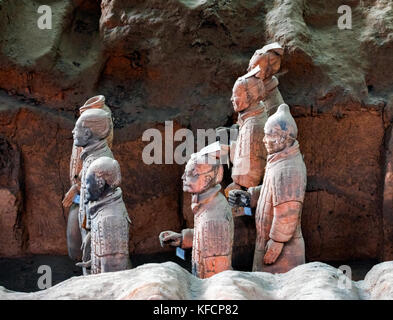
<point>187,237</point>
<point>70,195</point>
<point>285,221</point>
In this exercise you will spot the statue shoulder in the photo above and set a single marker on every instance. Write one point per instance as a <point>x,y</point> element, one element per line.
<point>289,183</point>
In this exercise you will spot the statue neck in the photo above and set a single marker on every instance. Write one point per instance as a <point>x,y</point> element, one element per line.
<point>206,196</point>
<point>252,111</point>
<point>106,198</point>
<point>89,149</point>
<point>288,152</point>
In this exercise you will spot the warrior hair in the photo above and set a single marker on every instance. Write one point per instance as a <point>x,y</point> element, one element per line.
<point>108,169</point>
<point>97,102</point>
<point>210,163</point>
<point>98,121</point>
<point>258,85</point>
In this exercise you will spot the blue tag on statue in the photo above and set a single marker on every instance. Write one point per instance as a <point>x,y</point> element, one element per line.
<point>181,253</point>
<point>77,199</point>
<point>247,211</point>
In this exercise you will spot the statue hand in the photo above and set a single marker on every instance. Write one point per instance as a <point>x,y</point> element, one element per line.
<point>272,251</point>
<point>170,238</point>
<point>69,197</point>
<point>83,264</point>
<point>232,186</point>
<point>86,244</point>
<point>239,198</point>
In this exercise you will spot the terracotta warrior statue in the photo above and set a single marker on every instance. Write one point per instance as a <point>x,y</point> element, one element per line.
<point>109,217</point>
<point>279,200</point>
<point>71,199</point>
<point>255,95</point>
<point>91,132</point>
<point>212,237</point>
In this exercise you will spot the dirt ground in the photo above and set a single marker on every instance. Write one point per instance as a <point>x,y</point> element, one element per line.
<point>20,274</point>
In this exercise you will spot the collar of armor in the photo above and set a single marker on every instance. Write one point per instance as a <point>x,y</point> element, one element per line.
<point>250,112</point>
<point>99,145</point>
<point>109,198</point>
<point>284,154</point>
<point>204,197</point>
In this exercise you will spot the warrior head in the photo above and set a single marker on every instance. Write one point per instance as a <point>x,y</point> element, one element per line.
<point>268,59</point>
<point>247,92</point>
<point>202,172</point>
<point>280,130</point>
<point>92,126</point>
<point>98,102</point>
<point>102,177</point>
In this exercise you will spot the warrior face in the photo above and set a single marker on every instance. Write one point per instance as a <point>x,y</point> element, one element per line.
<point>81,135</point>
<point>239,98</point>
<point>92,126</point>
<point>274,142</point>
<point>95,187</point>
<point>199,177</point>
<point>280,130</point>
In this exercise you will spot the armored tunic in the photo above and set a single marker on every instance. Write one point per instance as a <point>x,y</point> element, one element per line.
<point>285,180</point>
<point>212,237</point>
<point>88,155</point>
<point>250,155</point>
<point>109,234</point>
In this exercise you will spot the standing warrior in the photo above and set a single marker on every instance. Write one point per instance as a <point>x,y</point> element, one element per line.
<point>212,237</point>
<point>248,155</point>
<point>109,217</point>
<point>255,95</point>
<point>91,132</point>
<point>71,199</point>
<point>279,200</point>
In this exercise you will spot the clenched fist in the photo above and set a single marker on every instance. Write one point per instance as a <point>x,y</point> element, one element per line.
<point>239,198</point>
<point>170,238</point>
<point>70,195</point>
<point>272,251</point>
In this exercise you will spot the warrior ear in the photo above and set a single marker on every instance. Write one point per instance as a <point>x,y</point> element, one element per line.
<point>208,179</point>
<point>284,137</point>
<point>100,182</point>
<point>220,174</point>
<point>87,133</point>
